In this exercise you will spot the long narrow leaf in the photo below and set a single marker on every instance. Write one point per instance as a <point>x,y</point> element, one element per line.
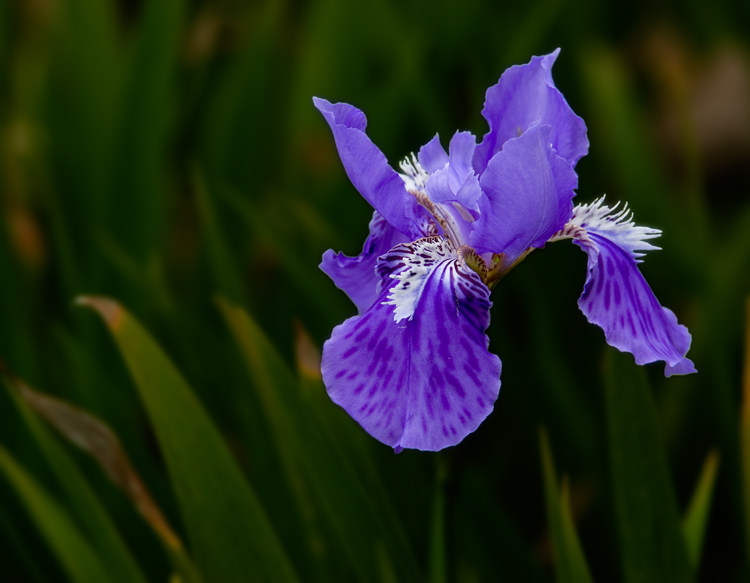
<point>224,270</point>
<point>696,517</point>
<point>89,512</point>
<point>745,430</point>
<point>360,515</point>
<point>570,563</point>
<point>97,439</point>
<point>19,549</point>
<point>232,537</point>
<point>438,566</point>
<point>146,117</point>
<point>652,547</point>
<point>76,555</point>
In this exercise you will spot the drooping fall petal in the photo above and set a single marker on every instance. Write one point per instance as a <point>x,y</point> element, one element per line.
<point>616,296</point>
<point>414,370</point>
<point>356,275</point>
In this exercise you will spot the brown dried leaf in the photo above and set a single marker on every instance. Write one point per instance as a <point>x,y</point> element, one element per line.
<point>98,440</point>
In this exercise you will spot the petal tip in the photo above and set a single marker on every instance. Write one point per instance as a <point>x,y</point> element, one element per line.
<point>552,57</point>
<point>683,367</point>
<point>322,105</point>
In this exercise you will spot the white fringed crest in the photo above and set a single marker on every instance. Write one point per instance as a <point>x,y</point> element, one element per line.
<point>616,225</point>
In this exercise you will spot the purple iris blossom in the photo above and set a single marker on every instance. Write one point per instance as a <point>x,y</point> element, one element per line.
<point>413,368</point>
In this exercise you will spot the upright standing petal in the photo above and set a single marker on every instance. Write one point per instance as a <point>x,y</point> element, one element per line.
<point>452,177</point>
<point>526,95</point>
<point>454,188</point>
<point>616,297</point>
<point>431,156</point>
<point>529,191</point>
<point>356,275</point>
<point>461,152</point>
<point>414,370</point>
<point>368,168</point>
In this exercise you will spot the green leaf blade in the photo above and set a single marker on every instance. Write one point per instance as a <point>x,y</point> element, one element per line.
<point>83,502</point>
<point>231,535</point>
<point>696,517</point>
<point>76,555</point>
<point>570,562</point>
<point>745,431</point>
<point>335,470</point>
<point>652,546</point>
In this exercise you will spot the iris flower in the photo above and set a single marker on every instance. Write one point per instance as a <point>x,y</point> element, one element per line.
<point>413,367</point>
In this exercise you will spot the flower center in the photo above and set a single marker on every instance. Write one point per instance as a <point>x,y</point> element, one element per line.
<point>454,220</point>
<point>449,215</point>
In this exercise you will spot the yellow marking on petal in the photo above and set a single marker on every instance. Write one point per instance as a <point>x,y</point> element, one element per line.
<point>469,257</point>
<point>502,267</point>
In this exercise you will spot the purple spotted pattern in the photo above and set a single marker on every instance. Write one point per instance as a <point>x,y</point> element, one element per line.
<point>617,298</point>
<point>427,381</point>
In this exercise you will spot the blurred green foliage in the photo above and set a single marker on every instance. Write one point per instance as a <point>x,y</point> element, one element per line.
<point>166,154</point>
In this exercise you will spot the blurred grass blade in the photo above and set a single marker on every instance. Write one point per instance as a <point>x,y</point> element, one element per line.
<point>307,356</point>
<point>146,118</point>
<point>225,272</point>
<point>745,430</point>
<point>274,400</point>
<point>652,546</point>
<point>82,121</point>
<point>81,500</point>
<point>438,567</point>
<point>265,226</point>
<point>77,557</point>
<point>696,517</point>
<point>234,137</point>
<point>231,536</point>
<point>360,514</point>
<point>581,569</point>
<point>570,563</point>
<point>97,439</point>
<point>17,547</point>
<point>619,130</point>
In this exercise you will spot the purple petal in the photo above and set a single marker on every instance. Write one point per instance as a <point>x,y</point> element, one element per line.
<point>461,152</point>
<point>368,168</point>
<point>431,156</point>
<point>356,275</point>
<point>452,177</point>
<point>454,189</point>
<point>524,96</point>
<point>454,180</point>
<point>617,298</point>
<point>414,370</point>
<point>529,191</point>
<point>453,206</point>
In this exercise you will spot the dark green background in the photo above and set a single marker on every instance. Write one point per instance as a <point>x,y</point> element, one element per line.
<point>161,153</point>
